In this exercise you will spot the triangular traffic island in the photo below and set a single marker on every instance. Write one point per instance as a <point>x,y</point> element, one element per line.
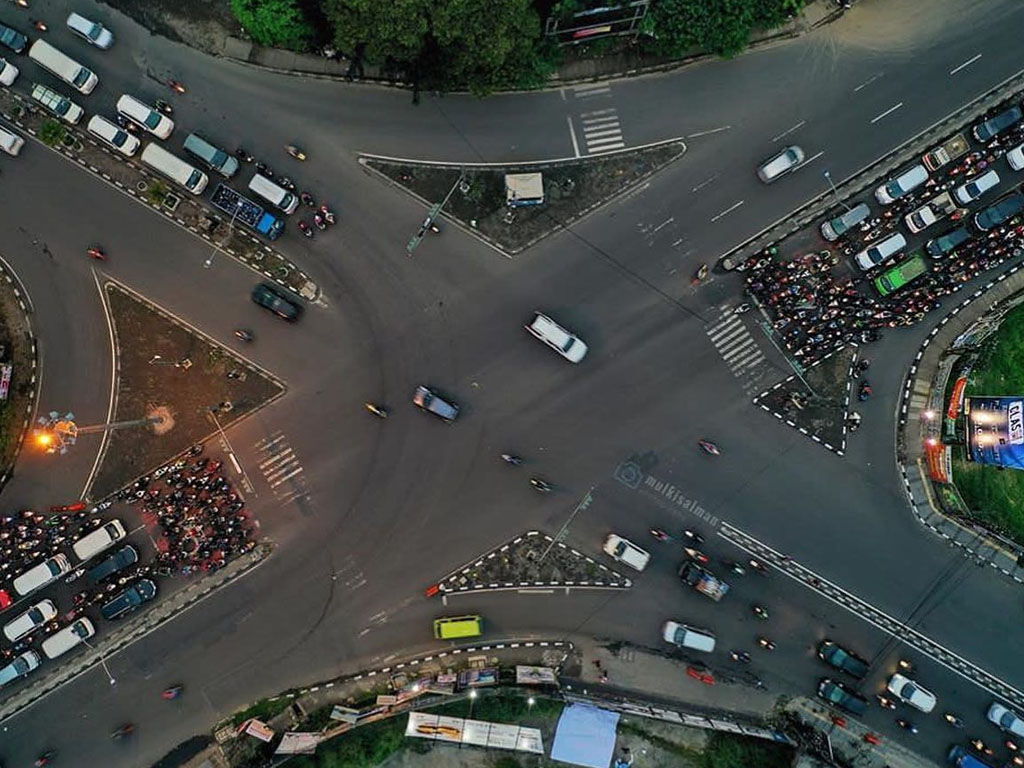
<point>817,402</point>
<point>513,206</point>
<point>533,560</point>
<point>166,368</point>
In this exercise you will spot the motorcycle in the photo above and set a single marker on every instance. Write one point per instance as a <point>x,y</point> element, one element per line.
<point>864,392</point>
<point>242,155</point>
<point>660,535</point>
<point>319,221</point>
<point>40,25</point>
<point>540,485</point>
<point>377,410</point>
<point>307,199</point>
<point>693,536</point>
<point>328,214</point>
<point>740,656</point>
<point>953,720</point>
<point>287,183</point>
<point>123,731</point>
<point>304,228</point>
<point>164,107</point>
<point>735,567</point>
<point>744,307</point>
<point>127,124</point>
<point>700,274</point>
<point>709,447</point>
<point>512,459</point>
<point>44,759</point>
<point>906,725</point>
<point>264,169</point>
<point>758,566</point>
<point>95,252</point>
<point>760,612</point>
<point>176,86</point>
<point>765,643</point>
<point>172,693</point>
<point>696,554</point>
<point>885,702</point>
<point>295,152</point>
<point>243,335</point>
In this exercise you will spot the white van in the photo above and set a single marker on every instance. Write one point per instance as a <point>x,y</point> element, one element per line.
<point>274,194</point>
<point>881,251</point>
<point>688,637</point>
<point>64,67</point>
<point>93,543</point>
<point>33,618</point>
<point>896,188</point>
<point>42,574</point>
<point>113,135</point>
<point>145,116</point>
<point>63,641</point>
<point>59,106</point>
<point>626,552</point>
<point>10,142</point>
<point>174,168</point>
<point>22,665</point>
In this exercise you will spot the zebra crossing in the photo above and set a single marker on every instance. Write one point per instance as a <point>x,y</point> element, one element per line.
<point>280,467</point>
<point>739,350</point>
<point>601,131</point>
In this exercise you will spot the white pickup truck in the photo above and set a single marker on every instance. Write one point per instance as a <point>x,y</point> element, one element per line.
<point>937,208</point>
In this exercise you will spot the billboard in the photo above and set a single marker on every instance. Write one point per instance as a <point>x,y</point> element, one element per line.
<point>995,430</point>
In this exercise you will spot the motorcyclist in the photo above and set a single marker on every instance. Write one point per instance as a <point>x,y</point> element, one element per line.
<point>123,731</point>
<point>377,410</point>
<point>709,447</point>
<point>541,485</point>
<point>760,612</point>
<point>295,152</point>
<point>243,334</point>
<point>512,459</point>
<point>741,656</point>
<point>765,643</point>
<point>659,534</point>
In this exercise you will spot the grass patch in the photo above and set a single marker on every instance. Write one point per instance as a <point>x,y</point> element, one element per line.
<point>264,709</point>
<point>503,708</point>
<point>994,495</point>
<point>727,750</point>
<point>362,747</point>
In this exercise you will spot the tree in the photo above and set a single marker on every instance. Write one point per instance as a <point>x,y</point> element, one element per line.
<point>397,31</point>
<point>277,23</point>
<point>722,27</point>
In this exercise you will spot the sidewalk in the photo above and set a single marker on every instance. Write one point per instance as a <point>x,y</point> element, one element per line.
<point>336,66</point>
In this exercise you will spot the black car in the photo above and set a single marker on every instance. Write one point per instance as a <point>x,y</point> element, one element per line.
<point>842,697</point>
<point>12,38</point>
<point>943,244</point>
<point>277,300</point>
<point>129,599</point>
<point>121,559</point>
<point>1000,211</point>
<point>842,659</point>
<point>989,129</point>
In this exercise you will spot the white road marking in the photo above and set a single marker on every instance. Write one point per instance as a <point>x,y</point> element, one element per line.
<point>867,82</point>
<point>572,134</point>
<point>704,183</point>
<point>717,216</point>
<point>708,132</point>
<point>586,91</point>
<point>889,111</point>
<point>965,64</point>
<point>811,159</point>
<point>601,130</point>
<point>790,130</point>
<point>665,223</point>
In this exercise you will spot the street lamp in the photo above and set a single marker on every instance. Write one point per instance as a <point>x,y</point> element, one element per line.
<point>55,432</point>
<point>828,178</point>
<point>472,698</point>
<point>103,662</point>
<point>209,260</point>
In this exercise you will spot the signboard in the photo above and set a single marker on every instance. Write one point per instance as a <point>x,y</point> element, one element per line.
<point>535,675</point>
<point>956,397</point>
<point>475,678</point>
<point>995,431</point>
<point>939,462</point>
<point>479,733</point>
<point>259,729</point>
<point>298,744</point>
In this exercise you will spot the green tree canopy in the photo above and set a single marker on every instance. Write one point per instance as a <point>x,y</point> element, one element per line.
<point>278,23</point>
<point>717,26</point>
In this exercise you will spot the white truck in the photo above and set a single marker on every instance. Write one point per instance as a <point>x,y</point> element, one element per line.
<point>937,208</point>
<point>945,153</point>
<point>693,575</point>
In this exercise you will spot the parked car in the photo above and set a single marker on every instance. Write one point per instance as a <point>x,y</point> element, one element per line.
<point>780,164</point>
<point>431,402</point>
<point>842,659</point>
<point>976,187</point>
<point>113,135</point>
<point>58,105</point>
<point>12,38</point>
<point>130,598</point>
<point>908,181</point>
<point>943,244</point>
<point>277,300</point>
<point>999,211</point>
<point>987,130</point>
<point>8,72</point>
<point>92,31</point>
<point>911,692</point>
<point>20,667</point>
<point>836,227</point>
<point>120,560</point>
<point>845,698</point>
<point>1006,719</point>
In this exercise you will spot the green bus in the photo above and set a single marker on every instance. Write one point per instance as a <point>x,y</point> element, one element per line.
<point>455,627</point>
<point>896,277</point>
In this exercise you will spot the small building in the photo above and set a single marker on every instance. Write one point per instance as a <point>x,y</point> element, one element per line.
<point>524,189</point>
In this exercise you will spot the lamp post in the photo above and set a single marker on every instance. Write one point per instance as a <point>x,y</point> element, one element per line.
<point>835,192</point>
<point>472,698</point>
<point>103,662</point>
<point>209,260</point>
<point>55,432</point>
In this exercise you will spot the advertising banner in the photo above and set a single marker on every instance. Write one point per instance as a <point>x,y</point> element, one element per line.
<point>995,430</point>
<point>535,675</point>
<point>956,397</point>
<point>938,457</point>
<point>479,733</point>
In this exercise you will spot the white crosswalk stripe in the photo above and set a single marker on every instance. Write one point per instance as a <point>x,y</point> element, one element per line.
<point>280,467</point>
<point>602,131</point>
<point>739,350</point>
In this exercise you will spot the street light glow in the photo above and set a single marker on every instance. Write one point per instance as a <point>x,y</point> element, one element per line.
<point>472,694</point>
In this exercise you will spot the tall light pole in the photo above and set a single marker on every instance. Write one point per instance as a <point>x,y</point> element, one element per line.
<point>209,260</point>
<point>55,433</point>
<point>429,220</point>
<point>103,662</point>
<point>828,178</point>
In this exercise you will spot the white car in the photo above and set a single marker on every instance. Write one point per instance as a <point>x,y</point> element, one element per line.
<point>34,617</point>
<point>975,188</point>
<point>912,693</point>
<point>92,31</point>
<point>555,336</point>
<point>781,164</point>
<point>113,135</point>
<point>625,551</point>
<point>8,72</point>
<point>144,115</point>
<point>1015,158</point>
<point>1006,719</point>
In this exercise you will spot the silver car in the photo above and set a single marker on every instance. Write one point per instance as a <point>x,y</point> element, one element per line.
<point>781,164</point>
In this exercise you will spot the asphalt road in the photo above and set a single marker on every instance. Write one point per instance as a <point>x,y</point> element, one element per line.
<point>387,508</point>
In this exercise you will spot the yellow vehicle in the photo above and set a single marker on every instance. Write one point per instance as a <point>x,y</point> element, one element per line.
<point>454,627</point>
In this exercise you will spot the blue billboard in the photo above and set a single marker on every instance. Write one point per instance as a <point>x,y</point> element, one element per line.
<point>995,430</point>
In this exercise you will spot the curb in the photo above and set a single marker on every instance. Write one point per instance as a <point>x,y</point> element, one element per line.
<point>24,300</point>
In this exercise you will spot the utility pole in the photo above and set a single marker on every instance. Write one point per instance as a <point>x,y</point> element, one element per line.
<point>563,532</point>
<point>435,209</point>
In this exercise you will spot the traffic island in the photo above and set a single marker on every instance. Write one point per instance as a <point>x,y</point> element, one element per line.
<point>220,229</point>
<point>816,401</point>
<point>481,199</point>
<point>533,560</point>
<point>17,371</point>
<point>169,370</point>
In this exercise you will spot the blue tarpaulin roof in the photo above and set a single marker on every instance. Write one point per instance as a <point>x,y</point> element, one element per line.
<point>585,736</point>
